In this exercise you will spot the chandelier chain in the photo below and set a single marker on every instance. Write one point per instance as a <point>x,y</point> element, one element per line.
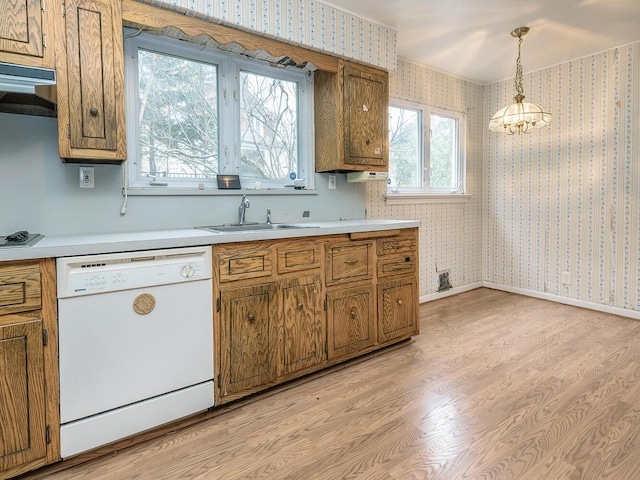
<point>518,81</point>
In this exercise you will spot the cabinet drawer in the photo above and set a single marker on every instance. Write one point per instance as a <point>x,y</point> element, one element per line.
<point>349,262</point>
<point>298,256</point>
<point>399,244</point>
<point>19,288</point>
<point>396,265</point>
<point>239,265</point>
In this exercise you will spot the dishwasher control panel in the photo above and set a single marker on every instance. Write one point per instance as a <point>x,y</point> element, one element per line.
<point>94,274</point>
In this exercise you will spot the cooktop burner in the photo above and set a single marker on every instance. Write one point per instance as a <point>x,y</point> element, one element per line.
<point>20,239</point>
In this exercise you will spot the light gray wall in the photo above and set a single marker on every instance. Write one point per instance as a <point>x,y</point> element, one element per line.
<point>39,193</point>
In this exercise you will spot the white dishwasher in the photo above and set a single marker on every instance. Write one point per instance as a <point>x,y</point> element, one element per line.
<point>135,342</point>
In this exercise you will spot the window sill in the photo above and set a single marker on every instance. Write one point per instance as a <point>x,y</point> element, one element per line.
<point>175,191</point>
<point>424,198</point>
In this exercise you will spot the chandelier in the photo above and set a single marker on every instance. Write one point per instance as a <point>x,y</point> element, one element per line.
<point>519,117</point>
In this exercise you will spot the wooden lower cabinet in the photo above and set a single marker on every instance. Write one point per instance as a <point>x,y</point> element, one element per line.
<point>351,320</point>
<point>29,402</point>
<point>303,329</point>
<point>290,307</point>
<point>248,338</point>
<point>397,315</point>
<point>22,409</point>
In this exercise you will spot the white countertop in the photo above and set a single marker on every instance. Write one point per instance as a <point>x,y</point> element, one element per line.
<point>86,244</point>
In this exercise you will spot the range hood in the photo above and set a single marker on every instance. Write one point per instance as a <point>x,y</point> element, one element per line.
<point>27,90</point>
<point>21,79</point>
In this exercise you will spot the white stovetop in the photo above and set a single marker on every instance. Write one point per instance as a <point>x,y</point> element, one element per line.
<point>86,244</point>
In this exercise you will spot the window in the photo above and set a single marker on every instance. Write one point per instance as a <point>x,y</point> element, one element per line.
<point>426,150</point>
<point>193,114</point>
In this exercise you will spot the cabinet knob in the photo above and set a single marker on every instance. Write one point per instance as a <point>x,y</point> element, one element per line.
<point>399,302</point>
<point>251,317</point>
<point>353,314</point>
<point>300,305</point>
<point>93,112</point>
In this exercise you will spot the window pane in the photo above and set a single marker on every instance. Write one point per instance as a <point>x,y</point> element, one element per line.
<point>178,117</point>
<point>268,127</point>
<point>404,147</point>
<point>443,152</point>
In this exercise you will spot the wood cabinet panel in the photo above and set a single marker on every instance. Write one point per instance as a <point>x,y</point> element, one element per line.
<point>396,265</point>
<point>349,262</point>
<point>298,256</point>
<point>25,27</point>
<point>365,108</point>
<point>91,124</point>
<point>351,319</point>
<point>397,314</point>
<point>19,288</point>
<point>248,338</point>
<point>402,243</point>
<point>240,263</point>
<point>351,118</point>
<point>22,409</point>
<point>90,67</point>
<point>304,330</point>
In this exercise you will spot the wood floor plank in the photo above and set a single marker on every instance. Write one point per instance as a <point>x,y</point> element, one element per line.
<point>496,386</point>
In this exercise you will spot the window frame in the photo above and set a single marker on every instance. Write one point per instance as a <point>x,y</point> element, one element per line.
<point>424,189</point>
<point>228,67</point>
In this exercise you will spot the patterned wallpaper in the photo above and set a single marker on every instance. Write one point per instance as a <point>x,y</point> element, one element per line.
<point>450,233</point>
<point>564,201</point>
<point>308,23</point>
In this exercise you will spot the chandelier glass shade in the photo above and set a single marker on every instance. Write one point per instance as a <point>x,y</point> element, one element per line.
<point>519,117</point>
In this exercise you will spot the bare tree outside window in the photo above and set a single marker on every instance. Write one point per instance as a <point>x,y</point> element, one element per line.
<point>432,163</point>
<point>268,127</point>
<point>404,147</point>
<point>178,117</point>
<point>443,151</point>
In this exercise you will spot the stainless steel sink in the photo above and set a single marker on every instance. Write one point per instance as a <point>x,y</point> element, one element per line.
<point>252,227</point>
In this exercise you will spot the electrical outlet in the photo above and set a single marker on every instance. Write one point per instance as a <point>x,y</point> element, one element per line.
<point>333,182</point>
<point>566,278</point>
<point>86,177</point>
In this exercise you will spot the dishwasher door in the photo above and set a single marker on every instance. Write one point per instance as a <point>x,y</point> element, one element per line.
<point>135,333</point>
<point>111,356</point>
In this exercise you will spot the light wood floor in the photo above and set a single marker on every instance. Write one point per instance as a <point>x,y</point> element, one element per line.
<point>496,386</point>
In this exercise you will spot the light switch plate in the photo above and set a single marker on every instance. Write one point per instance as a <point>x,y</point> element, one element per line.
<point>333,182</point>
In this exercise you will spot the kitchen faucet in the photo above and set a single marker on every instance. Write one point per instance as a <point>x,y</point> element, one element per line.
<point>244,204</point>
<point>269,215</point>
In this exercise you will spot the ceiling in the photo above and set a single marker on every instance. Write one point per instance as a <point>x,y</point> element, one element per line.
<point>471,38</point>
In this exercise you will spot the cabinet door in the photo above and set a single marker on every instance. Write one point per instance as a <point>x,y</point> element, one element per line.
<point>397,309</point>
<point>248,338</point>
<point>90,97</point>
<point>304,334</point>
<point>365,105</point>
<point>351,319</point>
<point>23,26</point>
<point>22,395</point>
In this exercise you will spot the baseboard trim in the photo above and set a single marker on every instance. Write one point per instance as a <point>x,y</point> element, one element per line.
<point>453,291</point>
<point>623,312</point>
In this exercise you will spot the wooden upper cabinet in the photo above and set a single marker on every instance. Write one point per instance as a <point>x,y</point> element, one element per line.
<point>26,32</point>
<point>91,83</point>
<point>365,105</point>
<point>351,119</point>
